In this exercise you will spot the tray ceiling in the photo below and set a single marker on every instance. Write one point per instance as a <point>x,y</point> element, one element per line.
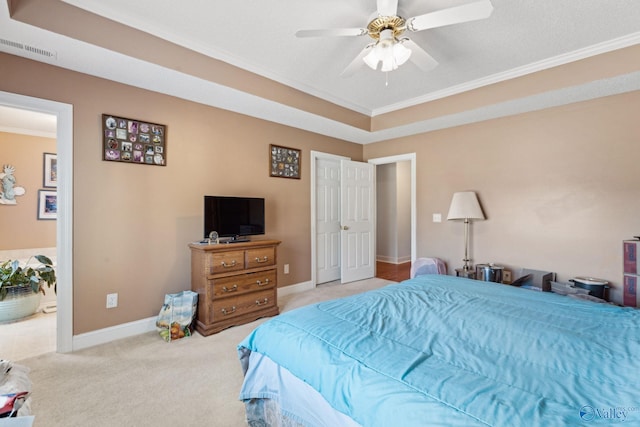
<point>520,38</point>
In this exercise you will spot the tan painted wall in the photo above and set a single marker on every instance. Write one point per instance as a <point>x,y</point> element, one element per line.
<point>560,188</point>
<point>132,223</point>
<point>19,224</point>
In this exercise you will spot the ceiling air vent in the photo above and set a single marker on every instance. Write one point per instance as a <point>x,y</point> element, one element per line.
<point>28,48</point>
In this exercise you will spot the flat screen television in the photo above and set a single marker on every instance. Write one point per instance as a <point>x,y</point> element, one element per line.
<point>235,217</point>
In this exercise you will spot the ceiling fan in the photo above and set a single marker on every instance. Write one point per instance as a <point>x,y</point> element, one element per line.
<point>390,50</point>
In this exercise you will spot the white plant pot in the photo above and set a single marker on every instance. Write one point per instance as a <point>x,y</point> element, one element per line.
<point>19,303</point>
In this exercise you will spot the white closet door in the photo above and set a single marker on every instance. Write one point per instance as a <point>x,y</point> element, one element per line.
<point>357,219</point>
<point>328,220</point>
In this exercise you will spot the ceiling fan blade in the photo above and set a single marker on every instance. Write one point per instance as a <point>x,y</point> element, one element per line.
<point>387,7</point>
<point>419,56</point>
<point>332,32</point>
<point>453,15</point>
<point>357,62</point>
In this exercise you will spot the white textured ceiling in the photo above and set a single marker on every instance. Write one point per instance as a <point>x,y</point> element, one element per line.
<point>22,121</point>
<point>259,36</point>
<point>520,37</point>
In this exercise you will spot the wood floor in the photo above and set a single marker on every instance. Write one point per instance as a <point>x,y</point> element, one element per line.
<point>395,272</point>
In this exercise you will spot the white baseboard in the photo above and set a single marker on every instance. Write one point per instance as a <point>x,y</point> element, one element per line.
<point>125,330</point>
<point>112,333</point>
<point>393,260</point>
<point>295,289</point>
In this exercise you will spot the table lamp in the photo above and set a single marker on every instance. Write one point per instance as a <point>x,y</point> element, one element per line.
<point>465,205</point>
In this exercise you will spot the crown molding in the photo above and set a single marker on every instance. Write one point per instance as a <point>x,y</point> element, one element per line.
<point>611,45</point>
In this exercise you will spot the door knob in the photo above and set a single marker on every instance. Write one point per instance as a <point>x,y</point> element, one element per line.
<point>344,227</point>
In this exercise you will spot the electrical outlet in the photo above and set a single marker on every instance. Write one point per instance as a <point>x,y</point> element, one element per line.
<point>286,269</point>
<point>112,300</point>
<point>437,217</point>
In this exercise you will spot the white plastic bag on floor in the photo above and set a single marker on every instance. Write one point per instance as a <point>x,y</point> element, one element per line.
<point>176,316</point>
<point>15,389</point>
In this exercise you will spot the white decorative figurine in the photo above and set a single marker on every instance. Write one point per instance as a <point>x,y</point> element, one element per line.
<point>9,188</point>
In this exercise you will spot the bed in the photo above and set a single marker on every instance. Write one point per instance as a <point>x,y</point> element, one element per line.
<point>445,351</point>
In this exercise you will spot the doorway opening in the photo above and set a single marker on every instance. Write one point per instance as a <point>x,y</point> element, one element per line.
<point>393,225</point>
<point>64,221</point>
<point>24,137</point>
<point>396,219</point>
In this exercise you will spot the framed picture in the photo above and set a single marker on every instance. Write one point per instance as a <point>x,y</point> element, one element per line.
<point>47,204</point>
<point>284,162</point>
<point>50,170</point>
<point>133,141</point>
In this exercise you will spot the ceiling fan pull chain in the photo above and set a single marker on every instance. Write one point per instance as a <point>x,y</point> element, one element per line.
<point>386,78</point>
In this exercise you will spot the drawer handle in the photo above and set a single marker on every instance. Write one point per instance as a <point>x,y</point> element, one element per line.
<point>263,302</point>
<point>225,265</point>
<point>231,289</point>
<point>261,283</point>
<point>264,259</point>
<point>225,312</point>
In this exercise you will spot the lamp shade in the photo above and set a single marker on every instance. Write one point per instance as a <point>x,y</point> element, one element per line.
<point>465,205</point>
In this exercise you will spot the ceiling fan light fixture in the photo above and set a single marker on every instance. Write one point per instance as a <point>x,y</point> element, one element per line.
<point>389,51</point>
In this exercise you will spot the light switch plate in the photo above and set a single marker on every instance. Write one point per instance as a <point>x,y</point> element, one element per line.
<point>437,217</point>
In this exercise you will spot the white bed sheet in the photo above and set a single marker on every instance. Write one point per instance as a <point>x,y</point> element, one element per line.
<point>296,399</point>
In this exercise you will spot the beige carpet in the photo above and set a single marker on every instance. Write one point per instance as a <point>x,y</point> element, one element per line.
<point>144,381</point>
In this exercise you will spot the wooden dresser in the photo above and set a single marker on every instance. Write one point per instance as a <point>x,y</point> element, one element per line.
<point>236,283</point>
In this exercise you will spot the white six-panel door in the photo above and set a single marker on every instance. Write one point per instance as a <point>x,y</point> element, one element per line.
<point>327,220</point>
<point>357,219</point>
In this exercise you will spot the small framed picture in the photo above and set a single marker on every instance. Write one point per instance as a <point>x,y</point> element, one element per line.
<point>50,170</point>
<point>47,204</point>
<point>284,162</point>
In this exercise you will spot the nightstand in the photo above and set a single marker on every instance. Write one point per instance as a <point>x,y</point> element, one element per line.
<point>469,274</point>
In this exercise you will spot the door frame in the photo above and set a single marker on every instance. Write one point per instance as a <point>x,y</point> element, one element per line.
<point>64,222</point>
<point>400,158</point>
<point>377,161</point>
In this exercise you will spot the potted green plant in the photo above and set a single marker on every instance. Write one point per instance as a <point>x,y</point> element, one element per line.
<point>22,286</point>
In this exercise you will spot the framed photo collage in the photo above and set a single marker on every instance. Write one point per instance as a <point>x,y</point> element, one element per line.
<point>133,141</point>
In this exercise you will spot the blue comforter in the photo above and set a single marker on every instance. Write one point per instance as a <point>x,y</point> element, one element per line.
<point>442,350</point>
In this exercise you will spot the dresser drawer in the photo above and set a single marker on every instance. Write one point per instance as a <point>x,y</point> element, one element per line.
<point>224,262</point>
<point>235,285</point>
<point>260,257</point>
<point>225,308</point>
